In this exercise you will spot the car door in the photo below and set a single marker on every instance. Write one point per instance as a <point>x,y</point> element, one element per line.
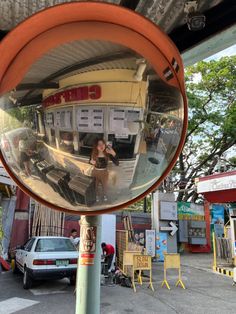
<point>18,257</point>
<point>23,253</point>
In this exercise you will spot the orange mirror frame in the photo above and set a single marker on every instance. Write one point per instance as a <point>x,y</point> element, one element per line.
<point>92,21</point>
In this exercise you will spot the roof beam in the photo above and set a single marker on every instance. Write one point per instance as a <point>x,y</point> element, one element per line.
<point>130,4</point>
<point>86,63</point>
<point>210,46</point>
<point>2,34</point>
<point>35,100</point>
<point>43,85</point>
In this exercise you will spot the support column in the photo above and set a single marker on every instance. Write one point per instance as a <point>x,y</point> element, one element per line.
<point>89,266</point>
<point>40,123</point>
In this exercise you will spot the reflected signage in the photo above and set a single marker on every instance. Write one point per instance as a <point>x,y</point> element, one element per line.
<point>73,94</point>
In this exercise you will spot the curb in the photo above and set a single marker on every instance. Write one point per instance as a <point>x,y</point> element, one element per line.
<point>224,271</point>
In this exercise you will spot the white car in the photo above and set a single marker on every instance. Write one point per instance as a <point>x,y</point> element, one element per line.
<point>46,258</point>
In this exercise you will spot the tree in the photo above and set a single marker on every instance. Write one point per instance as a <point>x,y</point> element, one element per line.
<point>139,206</point>
<point>211,135</point>
<point>17,117</point>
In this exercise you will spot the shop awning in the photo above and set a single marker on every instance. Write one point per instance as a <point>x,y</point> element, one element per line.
<point>218,188</point>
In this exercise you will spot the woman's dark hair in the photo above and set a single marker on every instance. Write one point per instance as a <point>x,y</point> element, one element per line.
<point>73,230</point>
<point>94,154</point>
<point>163,120</point>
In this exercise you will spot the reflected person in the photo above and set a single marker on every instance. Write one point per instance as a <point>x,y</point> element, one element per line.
<point>25,154</point>
<point>174,138</point>
<point>100,156</point>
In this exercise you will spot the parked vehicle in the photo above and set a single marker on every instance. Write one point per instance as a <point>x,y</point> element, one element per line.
<point>46,258</point>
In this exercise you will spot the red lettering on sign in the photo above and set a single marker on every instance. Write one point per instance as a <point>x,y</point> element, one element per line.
<point>74,94</point>
<point>95,92</point>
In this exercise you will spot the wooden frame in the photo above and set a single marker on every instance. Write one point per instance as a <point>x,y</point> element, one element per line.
<point>80,21</point>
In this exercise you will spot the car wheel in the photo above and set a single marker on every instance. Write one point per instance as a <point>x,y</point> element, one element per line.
<point>27,280</point>
<point>72,280</point>
<point>14,267</point>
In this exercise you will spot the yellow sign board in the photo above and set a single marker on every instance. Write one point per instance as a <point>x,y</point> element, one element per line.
<point>128,260</point>
<point>172,261</point>
<point>142,262</point>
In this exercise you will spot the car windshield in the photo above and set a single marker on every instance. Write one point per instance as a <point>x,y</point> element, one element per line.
<point>54,245</point>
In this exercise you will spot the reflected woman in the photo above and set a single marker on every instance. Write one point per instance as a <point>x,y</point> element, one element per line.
<point>100,156</point>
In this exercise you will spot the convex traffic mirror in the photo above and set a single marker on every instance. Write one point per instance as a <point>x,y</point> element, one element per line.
<point>93,111</point>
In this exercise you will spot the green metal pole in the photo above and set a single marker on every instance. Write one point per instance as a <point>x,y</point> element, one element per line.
<point>89,266</point>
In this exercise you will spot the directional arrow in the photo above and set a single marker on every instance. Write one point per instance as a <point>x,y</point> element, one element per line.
<point>171,228</point>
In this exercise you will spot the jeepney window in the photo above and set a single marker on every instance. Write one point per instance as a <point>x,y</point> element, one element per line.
<point>66,142</point>
<point>124,146</point>
<point>86,142</point>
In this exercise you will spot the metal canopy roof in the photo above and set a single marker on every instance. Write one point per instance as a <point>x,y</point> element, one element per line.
<point>78,57</point>
<point>168,14</point>
<point>70,59</point>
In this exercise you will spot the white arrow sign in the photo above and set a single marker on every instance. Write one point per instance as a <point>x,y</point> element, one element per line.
<point>171,228</point>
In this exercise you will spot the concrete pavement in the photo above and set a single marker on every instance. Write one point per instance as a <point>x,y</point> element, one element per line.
<point>206,293</point>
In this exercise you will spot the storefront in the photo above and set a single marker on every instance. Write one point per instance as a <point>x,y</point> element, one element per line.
<point>78,113</point>
<point>114,106</point>
<point>219,190</point>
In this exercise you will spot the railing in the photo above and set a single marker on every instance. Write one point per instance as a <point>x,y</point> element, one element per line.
<point>222,252</point>
<point>121,246</point>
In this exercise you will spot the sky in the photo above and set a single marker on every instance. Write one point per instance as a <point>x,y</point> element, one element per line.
<point>231,51</point>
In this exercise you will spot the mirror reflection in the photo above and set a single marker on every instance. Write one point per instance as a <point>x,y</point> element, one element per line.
<point>90,126</point>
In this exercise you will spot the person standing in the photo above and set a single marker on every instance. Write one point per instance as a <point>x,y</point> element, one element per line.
<point>73,237</point>
<point>100,156</point>
<point>109,251</point>
<point>25,153</point>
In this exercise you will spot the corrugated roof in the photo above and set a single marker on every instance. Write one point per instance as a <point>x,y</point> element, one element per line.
<point>74,58</point>
<point>169,14</point>
<point>15,11</point>
<point>74,53</point>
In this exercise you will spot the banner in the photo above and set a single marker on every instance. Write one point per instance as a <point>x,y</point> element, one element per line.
<point>217,214</point>
<point>161,245</point>
<point>190,211</point>
<point>150,242</point>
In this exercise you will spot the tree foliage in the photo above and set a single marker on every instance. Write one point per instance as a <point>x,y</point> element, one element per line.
<point>211,135</point>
